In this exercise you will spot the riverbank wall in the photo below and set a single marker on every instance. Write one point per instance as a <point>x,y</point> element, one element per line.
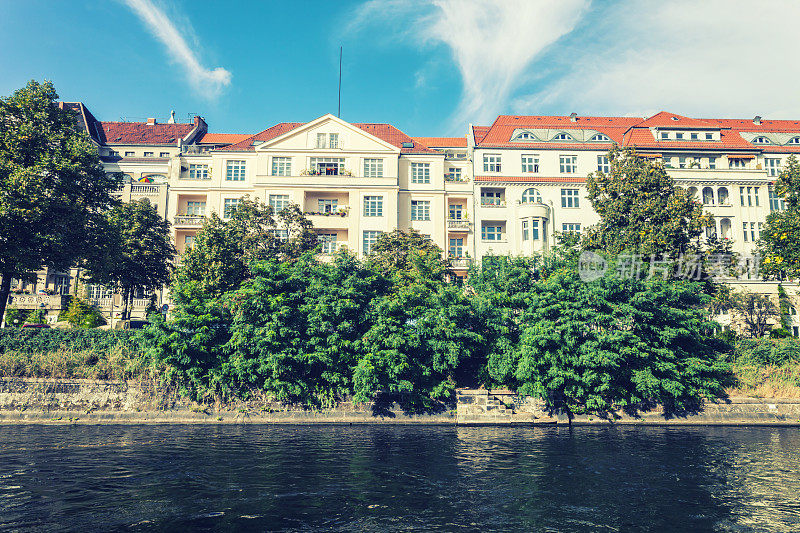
<point>60,401</point>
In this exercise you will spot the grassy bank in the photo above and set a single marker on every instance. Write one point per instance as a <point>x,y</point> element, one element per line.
<point>766,368</point>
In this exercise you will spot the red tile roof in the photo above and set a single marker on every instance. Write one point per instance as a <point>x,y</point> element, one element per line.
<point>778,126</point>
<point>442,142</point>
<point>643,138</point>
<point>480,132</point>
<point>672,120</point>
<point>385,132</point>
<point>142,133</point>
<point>224,138</point>
<point>499,134</point>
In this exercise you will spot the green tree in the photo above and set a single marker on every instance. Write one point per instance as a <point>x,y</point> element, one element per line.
<point>756,311</point>
<point>641,210</point>
<point>79,314</point>
<point>53,188</point>
<point>779,244</point>
<point>612,344</point>
<point>409,256</point>
<point>138,252</point>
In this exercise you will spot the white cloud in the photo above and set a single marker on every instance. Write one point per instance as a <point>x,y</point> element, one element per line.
<point>207,82</point>
<point>492,41</point>
<point>711,58</point>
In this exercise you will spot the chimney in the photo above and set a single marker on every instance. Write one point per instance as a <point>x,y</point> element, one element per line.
<point>151,122</point>
<point>757,120</point>
<point>573,117</point>
<point>171,117</point>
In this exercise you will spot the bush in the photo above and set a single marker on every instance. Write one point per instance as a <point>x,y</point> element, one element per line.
<point>767,352</point>
<point>32,341</point>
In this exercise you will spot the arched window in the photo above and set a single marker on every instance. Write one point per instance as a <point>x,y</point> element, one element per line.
<point>530,196</point>
<point>600,137</point>
<point>525,136</point>
<point>792,310</point>
<point>708,196</point>
<point>760,140</point>
<point>563,137</point>
<point>725,228</point>
<point>794,140</point>
<point>722,195</point>
<point>692,191</point>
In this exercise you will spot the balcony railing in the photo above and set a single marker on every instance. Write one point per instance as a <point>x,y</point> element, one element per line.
<point>460,262</point>
<point>37,301</point>
<point>145,189</point>
<point>456,179</point>
<point>342,213</point>
<point>189,220</point>
<point>501,203</point>
<point>458,223</point>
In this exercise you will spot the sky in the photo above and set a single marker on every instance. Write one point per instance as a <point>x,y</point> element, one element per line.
<point>430,67</point>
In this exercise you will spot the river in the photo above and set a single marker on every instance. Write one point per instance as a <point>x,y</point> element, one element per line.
<point>384,478</point>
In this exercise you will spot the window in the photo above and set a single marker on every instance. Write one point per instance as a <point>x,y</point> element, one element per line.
<point>570,227</point>
<point>234,170</point>
<point>149,154</point>
<point>278,201</point>
<point>712,163</point>
<point>667,161</point>
<point>373,168</point>
<point>321,138</point>
<point>600,137</point>
<point>453,174</point>
<point>163,154</point>
<point>602,164</point>
<point>281,166</point>
<point>722,195</point>
<point>530,163</point>
<point>333,140</point>
<point>568,164</point>
<point>327,140</point>
<point>753,236</point>
<point>282,234</point>
<point>664,135</point>
<point>708,196</point>
<point>130,154</point>
<point>420,172</point>
<point>456,212</point>
<point>773,165</point>
<point>230,205</point>
<point>569,198</point>
<point>491,163</point>
<point>776,203</point>
<point>794,140</point>
<point>196,209</point>
<point>525,230</point>
<point>693,136</point>
<point>327,166</point>
<point>198,172</point>
<point>99,292</point>
<point>535,229</point>
<point>709,136</point>
<point>736,163</point>
<point>325,205</point>
<point>525,135</point>
<point>113,153</point>
<point>373,206</point>
<point>563,137</point>
<point>679,136</point>
<point>420,210</point>
<point>456,248</point>
<point>328,241</point>
<point>61,285</point>
<point>681,162</point>
<point>491,232</point>
<point>761,140</point>
<point>530,196</point>
<point>370,238</point>
<point>491,197</point>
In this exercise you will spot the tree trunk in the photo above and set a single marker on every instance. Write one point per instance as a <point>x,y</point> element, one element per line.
<point>5,290</point>
<point>125,292</point>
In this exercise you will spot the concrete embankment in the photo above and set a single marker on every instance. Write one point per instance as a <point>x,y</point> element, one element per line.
<point>58,401</point>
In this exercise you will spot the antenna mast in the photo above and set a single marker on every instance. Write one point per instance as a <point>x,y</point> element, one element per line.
<point>339,112</point>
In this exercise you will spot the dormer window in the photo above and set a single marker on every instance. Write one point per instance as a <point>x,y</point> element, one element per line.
<point>525,136</point>
<point>600,137</point>
<point>679,136</point>
<point>664,135</point>
<point>794,140</point>
<point>760,140</point>
<point>563,137</point>
<point>709,136</point>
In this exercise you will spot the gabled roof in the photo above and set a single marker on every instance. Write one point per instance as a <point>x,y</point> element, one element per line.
<point>385,132</point>
<point>86,120</point>
<point>499,134</point>
<point>143,133</point>
<point>442,142</point>
<point>224,138</point>
<point>480,132</point>
<point>665,119</point>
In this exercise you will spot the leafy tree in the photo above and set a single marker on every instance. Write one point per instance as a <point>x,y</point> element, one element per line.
<point>641,210</point>
<point>756,311</point>
<point>779,244</point>
<point>52,185</point>
<point>613,344</point>
<point>138,252</point>
<point>410,256</point>
<point>223,249</point>
<point>80,314</point>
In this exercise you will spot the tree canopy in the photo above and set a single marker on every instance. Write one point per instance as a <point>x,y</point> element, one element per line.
<point>779,244</point>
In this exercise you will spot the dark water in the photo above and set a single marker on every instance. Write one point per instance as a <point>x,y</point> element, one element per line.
<point>330,478</point>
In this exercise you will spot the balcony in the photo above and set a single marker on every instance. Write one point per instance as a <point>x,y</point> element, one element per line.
<point>501,203</point>
<point>145,190</point>
<point>460,263</point>
<point>338,220</point>
<point>456,179</point>
<point>459,224</point>
<point>189,220</point>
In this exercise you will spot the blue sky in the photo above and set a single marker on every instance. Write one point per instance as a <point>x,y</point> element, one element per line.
<point>427,66</point>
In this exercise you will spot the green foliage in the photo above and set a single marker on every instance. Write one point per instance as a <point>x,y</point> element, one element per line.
<point>51,340</point>
<point>80,314</point>
<point>756,311</point>
<point>788,184</point>
<point>641,210</point>
<point>767,352</point>
<point>53,188</point>
<point>16,317</point>
<point>779,242</point>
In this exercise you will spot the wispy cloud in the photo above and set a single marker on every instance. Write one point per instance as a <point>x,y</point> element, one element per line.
<point>206,82</point>
<point>717,57</point>
<point>492,41</point>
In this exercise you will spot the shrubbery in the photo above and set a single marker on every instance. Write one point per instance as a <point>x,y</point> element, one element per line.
<point>51,340</point>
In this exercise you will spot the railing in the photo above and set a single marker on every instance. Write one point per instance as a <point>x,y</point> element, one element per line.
<point>36,301</point>
<point>460,262</point>
<point>326,213</point>
<point>189,220</point>
<point>458,223</point>
<point>333,247</point>
<point>488,204</point>
<point>145,189</point>
<point>454,179</point>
